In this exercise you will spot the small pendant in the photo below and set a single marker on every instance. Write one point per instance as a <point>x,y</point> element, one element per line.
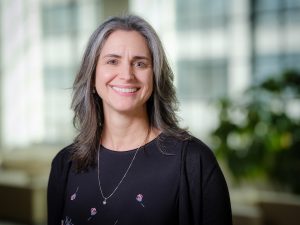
<point>104,202</point>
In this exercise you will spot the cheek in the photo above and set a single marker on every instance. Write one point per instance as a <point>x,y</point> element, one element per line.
<point>102,77</point>
<point>151,83</point>
<point>100,81</point>
<point>151,87</point>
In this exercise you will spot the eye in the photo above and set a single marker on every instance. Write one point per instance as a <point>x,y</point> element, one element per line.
<point>112,62</point>
<point>140,64</point>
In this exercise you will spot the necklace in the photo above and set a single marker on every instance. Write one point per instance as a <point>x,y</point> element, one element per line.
<point>105,198</point>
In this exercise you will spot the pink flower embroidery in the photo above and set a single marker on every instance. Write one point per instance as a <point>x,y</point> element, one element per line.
<point>139,198</point>
<point>67,221</point>
<point>93,211</point>
<point>73,196</point>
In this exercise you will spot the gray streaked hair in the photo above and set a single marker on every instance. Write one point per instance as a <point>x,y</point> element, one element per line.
<point>88,110</point>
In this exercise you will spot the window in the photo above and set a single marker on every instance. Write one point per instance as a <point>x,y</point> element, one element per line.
<point>60,43</point>
<point>272,64</point>
<point>279,19</point>
<point>201,14</point>
<point>59,18</point>
<point>201,79</point>
<point>58,117</point>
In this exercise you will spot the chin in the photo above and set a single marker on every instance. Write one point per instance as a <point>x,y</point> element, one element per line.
<point>129,109</point>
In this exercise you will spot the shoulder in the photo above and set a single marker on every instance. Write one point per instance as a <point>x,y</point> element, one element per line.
<point>62,158</point>
<point>60,166</point>
<point>194,147</point>
<point>198,159</point>
<point>202,178</point>
<point>57,183</point>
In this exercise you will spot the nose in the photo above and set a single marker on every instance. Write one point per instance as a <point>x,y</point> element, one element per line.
<point>126,71</point>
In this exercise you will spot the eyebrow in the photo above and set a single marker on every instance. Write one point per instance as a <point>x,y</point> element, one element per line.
<point>111,56</point>
<point>118,56</point>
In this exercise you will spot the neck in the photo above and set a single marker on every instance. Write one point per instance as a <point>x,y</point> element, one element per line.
<point>123,132</point>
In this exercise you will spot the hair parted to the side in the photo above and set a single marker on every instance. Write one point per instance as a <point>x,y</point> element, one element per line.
<point>88,112</point>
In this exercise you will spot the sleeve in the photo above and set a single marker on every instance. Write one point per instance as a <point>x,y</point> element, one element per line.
<point>216,201</point>
<point>56,187</point>
<point>208,194</point>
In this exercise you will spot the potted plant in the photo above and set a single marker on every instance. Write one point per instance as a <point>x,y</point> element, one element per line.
<point>258,135</point>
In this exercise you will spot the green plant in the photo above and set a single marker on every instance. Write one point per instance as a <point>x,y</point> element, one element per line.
<point>259,132</point>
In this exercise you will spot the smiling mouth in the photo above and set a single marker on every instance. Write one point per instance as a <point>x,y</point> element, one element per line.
<point>125,90</point>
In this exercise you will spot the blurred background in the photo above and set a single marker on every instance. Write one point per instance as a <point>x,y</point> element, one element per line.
<point>236,65</point>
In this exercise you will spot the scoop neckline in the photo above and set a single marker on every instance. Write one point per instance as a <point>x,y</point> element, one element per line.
<point>102,148</point>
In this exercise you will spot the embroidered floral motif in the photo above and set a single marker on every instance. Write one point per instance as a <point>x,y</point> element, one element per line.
<point>93,213</point>
<point>67,221</point>
<point>73,196</point>
<point>139,198</point>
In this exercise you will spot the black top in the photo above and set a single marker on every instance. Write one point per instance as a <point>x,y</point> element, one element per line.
<point>147,195</point>
<point>203,197</point>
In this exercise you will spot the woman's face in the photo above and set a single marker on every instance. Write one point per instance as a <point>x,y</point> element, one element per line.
<point>124,74</point>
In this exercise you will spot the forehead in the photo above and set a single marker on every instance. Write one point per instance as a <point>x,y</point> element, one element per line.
<point>121,40</point>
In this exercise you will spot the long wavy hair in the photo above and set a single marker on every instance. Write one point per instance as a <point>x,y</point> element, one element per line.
<point>87,105</point>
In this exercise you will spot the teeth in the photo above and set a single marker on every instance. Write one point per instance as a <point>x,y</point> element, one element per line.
<point>125,90</point>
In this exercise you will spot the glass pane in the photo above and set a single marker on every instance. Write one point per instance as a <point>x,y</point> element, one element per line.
<point>59,19</point>
<point>292,3</point>
<point>266,66</point>
<point>291,61</point>
<point>201,14</point>
<point>201,79</point>
<point>293,16</point>
<point>266,5</point>
<point>268,18</point>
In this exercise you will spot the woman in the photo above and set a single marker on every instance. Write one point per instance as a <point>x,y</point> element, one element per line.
<point>130,162</point>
